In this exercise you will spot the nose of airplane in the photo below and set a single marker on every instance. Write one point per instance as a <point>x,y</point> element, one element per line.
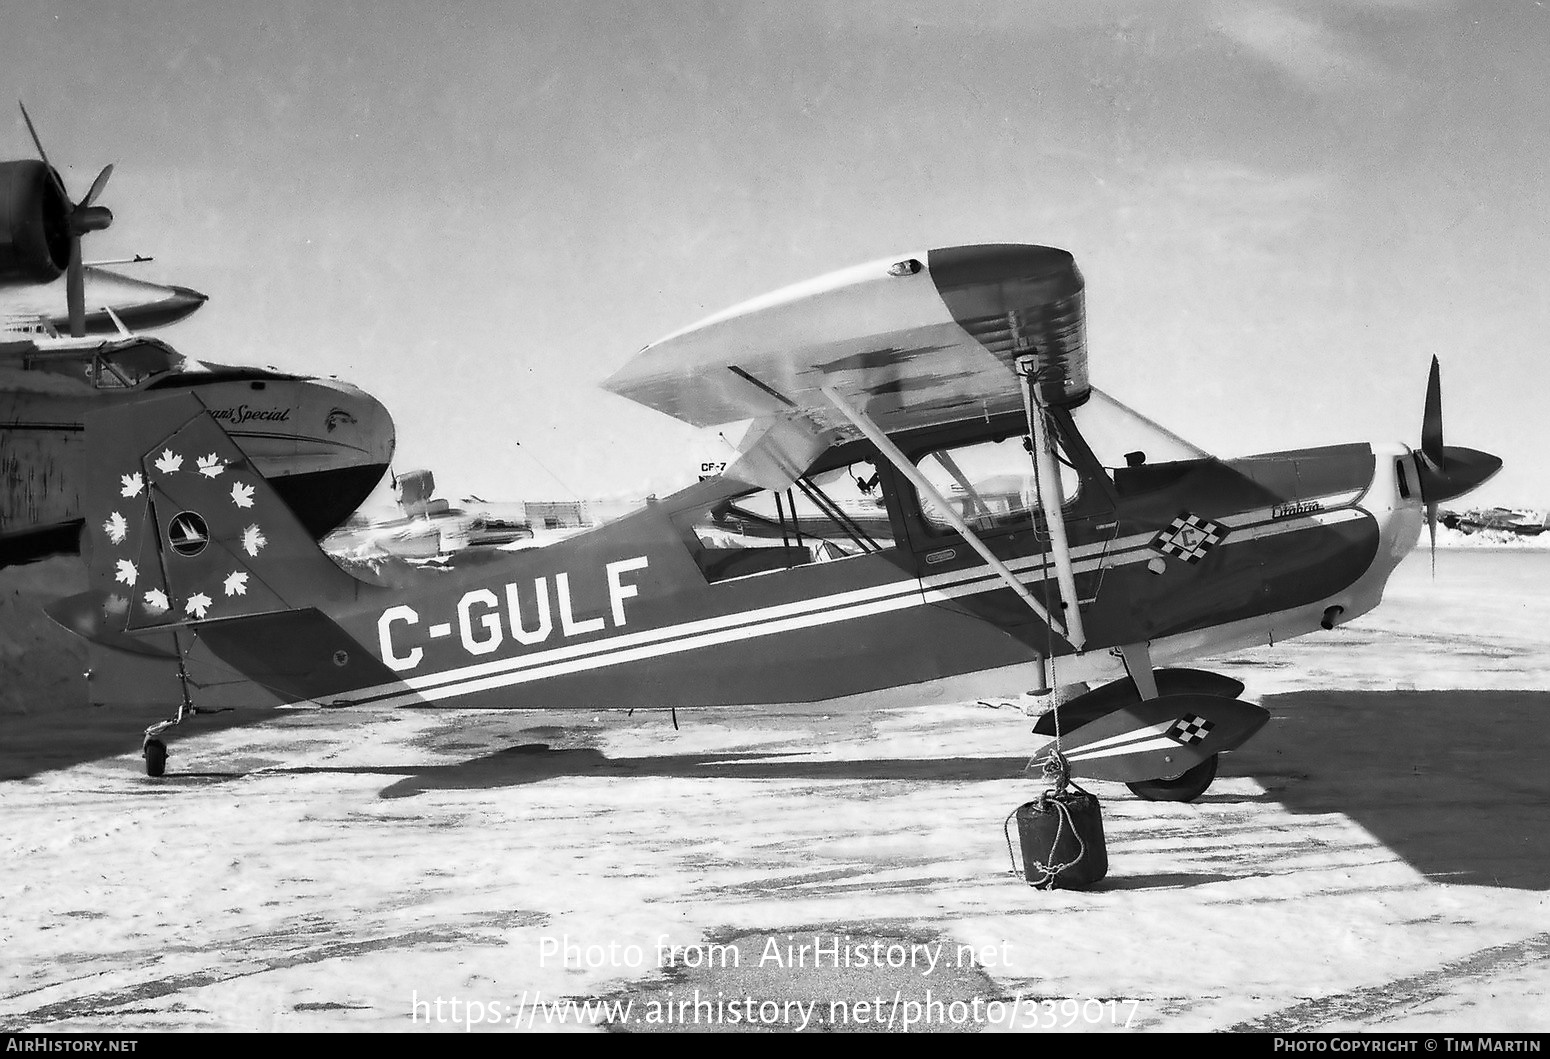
<point>1447,471</point>
<point>358,420</point>
<point>1457,472</point>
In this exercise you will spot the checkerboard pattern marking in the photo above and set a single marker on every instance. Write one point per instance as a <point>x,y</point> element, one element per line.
<point>1190,729</point>
<point>1189,537</point>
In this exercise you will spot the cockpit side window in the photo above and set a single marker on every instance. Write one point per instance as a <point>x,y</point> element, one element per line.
<point>992,483</point>
<point>837,515</point>
<point>106,375</point>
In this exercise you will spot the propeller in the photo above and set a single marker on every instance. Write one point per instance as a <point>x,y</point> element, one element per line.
<point>84,217</point>
<point>1445,471</point>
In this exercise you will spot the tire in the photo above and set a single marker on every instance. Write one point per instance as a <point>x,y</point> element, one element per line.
<point>1185,787</point>
<point>155,757</point>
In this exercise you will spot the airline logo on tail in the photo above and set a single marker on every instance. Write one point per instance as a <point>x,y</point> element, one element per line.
<point>184,534</point>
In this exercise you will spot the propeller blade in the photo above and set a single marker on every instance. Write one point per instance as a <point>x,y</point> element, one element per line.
<point>1445,471</point>
<point>59,181</point>
<point>96,187</point>
<point>35,141</point>
<point>1456,473</point>
<point>75,289</point>
<point>1431,529</point>
<point>1431,419</point>
<point>85,219</point>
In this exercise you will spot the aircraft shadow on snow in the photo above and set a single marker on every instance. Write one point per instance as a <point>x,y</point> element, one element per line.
<point>536,762</point>
<point>44,741</point>
<point>1452,781</point>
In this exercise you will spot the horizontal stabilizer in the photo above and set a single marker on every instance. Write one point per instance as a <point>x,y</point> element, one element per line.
<point>1160,738</point>
<point>300,655</point>
<point>97,617</point>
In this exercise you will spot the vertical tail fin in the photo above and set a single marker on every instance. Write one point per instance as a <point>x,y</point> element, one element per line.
<point>181,528</point>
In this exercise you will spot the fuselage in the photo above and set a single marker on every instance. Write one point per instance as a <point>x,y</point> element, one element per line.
<point>656,610</point>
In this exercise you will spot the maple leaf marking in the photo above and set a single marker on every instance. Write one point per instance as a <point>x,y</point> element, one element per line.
<point>133,483</point>
<point>116,528</point>
<point>237,584</point>
<point>127,573</point>
<point>253,539</point>
<point>156,601</point>
<point>242,495</point>
<point>198,605</point>
<point>168,461</point>
<point>211,466</point>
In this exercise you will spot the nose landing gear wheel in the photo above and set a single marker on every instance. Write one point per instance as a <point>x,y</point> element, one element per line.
<point>1185,787</point>
<point>155,752</point>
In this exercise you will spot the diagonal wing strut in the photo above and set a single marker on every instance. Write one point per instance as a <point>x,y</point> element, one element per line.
<point>1051,500</point>
<point>918,480</point>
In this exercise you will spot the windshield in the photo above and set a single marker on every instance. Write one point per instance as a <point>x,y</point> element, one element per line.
<point>1115,432</point>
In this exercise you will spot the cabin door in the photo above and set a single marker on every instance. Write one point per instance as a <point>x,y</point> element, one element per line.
<point>992,484</point>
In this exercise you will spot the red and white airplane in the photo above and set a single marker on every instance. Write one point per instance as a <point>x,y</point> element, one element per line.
<point>931,501</point>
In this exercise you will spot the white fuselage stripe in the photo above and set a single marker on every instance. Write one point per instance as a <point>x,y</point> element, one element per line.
<point>1156,742</point>
<point>786,617</point>
<point>1124,737</point>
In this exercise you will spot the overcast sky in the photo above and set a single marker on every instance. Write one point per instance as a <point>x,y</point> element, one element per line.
<point>479,211</point>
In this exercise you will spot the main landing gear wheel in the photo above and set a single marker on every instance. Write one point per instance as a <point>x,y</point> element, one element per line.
<point>155,752</point>
<point>1185,787</point>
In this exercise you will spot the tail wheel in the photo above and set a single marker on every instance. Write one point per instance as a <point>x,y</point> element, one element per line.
<point>155,757</point>
<point>1185,787</point>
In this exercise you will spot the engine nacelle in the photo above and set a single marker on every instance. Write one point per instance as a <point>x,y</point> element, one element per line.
<point>34,224</point>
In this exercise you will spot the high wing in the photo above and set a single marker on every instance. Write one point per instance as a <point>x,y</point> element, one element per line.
<point>913,341</point>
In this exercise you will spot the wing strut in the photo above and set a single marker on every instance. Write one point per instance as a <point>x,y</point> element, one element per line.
<point>1052,502</point>
<point>891,451</point>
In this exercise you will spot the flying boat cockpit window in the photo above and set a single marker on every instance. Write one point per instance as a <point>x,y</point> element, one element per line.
<point>106,375</point>
<point>827,517</point>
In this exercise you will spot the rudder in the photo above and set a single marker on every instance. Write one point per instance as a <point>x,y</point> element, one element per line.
<point>181,528</point>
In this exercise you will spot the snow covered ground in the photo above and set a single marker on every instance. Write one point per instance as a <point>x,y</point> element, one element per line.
<point>1377,858</point>
<point>1490,539</point>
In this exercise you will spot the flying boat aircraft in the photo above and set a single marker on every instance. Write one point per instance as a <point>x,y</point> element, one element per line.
<point>931,501</point>
<point>324,443</point>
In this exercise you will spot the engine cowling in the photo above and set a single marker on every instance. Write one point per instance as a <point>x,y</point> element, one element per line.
<point>34,223</point>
